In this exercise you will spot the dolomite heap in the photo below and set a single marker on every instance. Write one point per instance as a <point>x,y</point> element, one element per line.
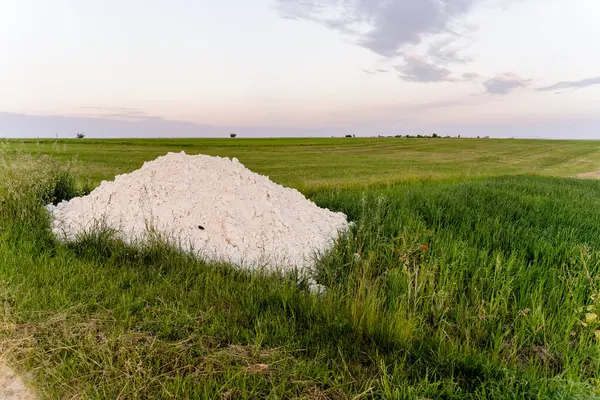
<point>212,206</point>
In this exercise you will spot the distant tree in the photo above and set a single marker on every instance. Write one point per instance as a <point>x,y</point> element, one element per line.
<point>233,135</point>
<point>80,135</point>
<point>348,135</point>
<point>434,135</point>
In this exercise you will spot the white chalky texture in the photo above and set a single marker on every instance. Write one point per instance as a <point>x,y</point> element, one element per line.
<point>248,220</point>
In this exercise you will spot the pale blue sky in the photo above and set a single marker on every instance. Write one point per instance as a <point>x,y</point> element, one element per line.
<point>527,68</point>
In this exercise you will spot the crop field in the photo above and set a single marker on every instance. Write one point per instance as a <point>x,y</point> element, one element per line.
<point>472,272</point>
<point>342,162</point>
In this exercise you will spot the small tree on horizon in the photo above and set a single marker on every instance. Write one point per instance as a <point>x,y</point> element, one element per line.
<point>80,135</point>
<point>232,135</point>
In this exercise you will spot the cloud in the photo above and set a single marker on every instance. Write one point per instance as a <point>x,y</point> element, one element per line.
<point>442,104</point>
<point>471,76</point>
<point>382,26</point>
<point>52,126</point>
<point>417,69</point>
<point>126,113</point>
<point>445,51</point>
<point>394,29</point>
<point>377,71</point>
<point>583,83</point>
<point>65,126</point>
<point>115,115</point>
<point>505,83</point>
<point>111,109</point>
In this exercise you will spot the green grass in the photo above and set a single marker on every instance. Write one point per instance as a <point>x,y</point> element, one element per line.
<point>313,164</point>
<point>493,306</point>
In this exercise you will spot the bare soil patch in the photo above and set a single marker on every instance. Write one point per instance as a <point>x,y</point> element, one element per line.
<point>12,386</point>
<point>590,175</point>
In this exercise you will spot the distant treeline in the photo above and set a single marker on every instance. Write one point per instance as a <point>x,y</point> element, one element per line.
<point>432,136</point>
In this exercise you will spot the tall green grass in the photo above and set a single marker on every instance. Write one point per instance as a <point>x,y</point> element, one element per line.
<point>469,290</point>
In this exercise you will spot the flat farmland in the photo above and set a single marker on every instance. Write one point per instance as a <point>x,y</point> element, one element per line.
<point>314,163</point>
<point>472,272</point>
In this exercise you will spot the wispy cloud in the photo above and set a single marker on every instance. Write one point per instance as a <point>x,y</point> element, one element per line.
<point>471,76</point>
<point>125,113</point>
<point>580,84</point>
<point>417,69</point>
<point>505,83</point>
<point>66,126</point>
<point>112,109</point>
<point>446,51</point>
<point>442,104</point>
<point>51,126</point>
<point>394,28</point>
<point>377,71</point>
<point>382,26</point>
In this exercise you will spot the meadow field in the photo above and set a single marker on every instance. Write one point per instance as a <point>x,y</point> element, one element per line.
<point>472,272</point>
<point>337,162</point>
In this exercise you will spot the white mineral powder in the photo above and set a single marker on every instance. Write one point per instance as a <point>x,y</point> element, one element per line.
<point>209,205</point>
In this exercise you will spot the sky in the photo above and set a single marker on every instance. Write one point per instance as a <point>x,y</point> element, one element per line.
<point>205,68</point>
